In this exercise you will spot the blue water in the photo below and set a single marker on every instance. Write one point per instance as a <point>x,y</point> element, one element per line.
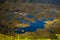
<point>23,21</point>
<point>51,19</point>
<point>30,16</point>
<point>33,26</point>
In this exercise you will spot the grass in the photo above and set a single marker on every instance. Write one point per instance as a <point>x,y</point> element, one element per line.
<point>5,37</point>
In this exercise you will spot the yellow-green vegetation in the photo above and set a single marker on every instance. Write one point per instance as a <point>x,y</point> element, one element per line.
<point>58,36</point>
<point>5,37</point>
<point>21,37</point>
